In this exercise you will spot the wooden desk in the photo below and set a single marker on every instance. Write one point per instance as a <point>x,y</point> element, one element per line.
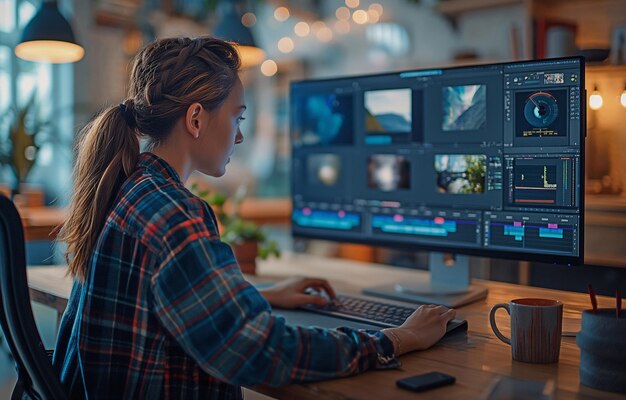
<point>475,360</point>
<point>41,223</point>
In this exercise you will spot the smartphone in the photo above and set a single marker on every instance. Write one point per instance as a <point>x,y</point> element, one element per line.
<point>431,380</point>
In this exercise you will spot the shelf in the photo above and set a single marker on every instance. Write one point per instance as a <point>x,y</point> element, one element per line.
<point>453,8</point>
<point>605,68</point>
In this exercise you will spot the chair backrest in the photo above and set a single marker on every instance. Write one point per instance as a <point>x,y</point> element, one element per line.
<point>36,376</point>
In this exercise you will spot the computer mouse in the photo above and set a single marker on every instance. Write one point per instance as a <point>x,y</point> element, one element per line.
<point>456,326</point>
<point>315,292</point>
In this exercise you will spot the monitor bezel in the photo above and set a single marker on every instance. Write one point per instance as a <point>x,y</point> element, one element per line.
<point>482,252</point>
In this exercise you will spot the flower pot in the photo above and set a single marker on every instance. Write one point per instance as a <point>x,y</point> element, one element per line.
<point>246,254</point>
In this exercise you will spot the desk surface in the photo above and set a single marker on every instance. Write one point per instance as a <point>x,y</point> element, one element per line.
<point>474,360</point>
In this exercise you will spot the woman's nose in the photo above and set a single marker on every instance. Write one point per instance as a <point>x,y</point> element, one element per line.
<point>239,137</point>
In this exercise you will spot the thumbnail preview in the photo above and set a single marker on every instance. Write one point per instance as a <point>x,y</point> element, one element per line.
<point>460,173</point>
<point>388,172</point>
<point>323,169</point>
<point>388,111</point>
<point>326,119</point>
<point>464,108</point>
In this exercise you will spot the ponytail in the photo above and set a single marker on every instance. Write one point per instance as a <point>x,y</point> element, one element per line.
<point>108,149</point>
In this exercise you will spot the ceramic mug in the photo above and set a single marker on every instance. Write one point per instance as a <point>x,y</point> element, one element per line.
<point>535,329</point>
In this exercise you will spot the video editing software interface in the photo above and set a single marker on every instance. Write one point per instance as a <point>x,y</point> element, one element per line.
<point>480,160</point>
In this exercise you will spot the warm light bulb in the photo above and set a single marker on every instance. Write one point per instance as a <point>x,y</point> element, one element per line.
<point>269,68</point>
<point>360,17</point>
<point>302,29</point>
<point>248,19</point>
<point>325,34</point>
<point>622,98</point>
<point>281,14</point>
<point>595,100</point>
<point>352,3</point>
<point>285,45</point>
<point>343,13</point>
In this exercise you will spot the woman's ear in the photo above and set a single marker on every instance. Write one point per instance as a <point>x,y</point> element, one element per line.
<point>193,123</point>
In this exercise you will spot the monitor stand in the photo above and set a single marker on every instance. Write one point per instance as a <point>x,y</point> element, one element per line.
<point>449,284</point>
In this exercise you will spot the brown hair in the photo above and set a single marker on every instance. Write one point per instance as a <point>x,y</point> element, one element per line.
<point>167,77</point>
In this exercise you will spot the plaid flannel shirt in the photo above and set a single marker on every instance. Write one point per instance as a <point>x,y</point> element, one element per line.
<point>166,313</point>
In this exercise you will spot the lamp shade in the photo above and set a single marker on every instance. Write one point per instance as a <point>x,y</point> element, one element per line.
<point>231,29</point>
<point>48,37</point>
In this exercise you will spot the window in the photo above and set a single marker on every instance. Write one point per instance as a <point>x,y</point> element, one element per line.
<point>51,86</point>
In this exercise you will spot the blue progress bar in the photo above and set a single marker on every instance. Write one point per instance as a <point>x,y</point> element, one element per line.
<point>551,233</point>
<point>326,219</point>
<point>413,226</point>
<point>515,231</point>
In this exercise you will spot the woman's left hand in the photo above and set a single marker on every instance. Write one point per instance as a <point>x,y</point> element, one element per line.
<point>292,292</point>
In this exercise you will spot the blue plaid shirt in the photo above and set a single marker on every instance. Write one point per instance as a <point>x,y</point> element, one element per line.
<point>166,313</point>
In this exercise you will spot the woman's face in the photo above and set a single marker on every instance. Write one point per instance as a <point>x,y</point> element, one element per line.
<point>221,132</point>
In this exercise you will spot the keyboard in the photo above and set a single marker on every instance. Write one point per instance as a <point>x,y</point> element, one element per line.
<point>385,315</point>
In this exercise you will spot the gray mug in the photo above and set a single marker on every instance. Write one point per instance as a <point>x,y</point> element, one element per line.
<point>535,329</point>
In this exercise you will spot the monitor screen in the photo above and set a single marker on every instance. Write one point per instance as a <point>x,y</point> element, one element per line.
<point>485,160</point>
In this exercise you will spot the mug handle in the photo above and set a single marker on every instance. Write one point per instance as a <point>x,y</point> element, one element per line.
<point>492,321</point>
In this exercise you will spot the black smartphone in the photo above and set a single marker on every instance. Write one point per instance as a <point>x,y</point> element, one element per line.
<point>431,380</point>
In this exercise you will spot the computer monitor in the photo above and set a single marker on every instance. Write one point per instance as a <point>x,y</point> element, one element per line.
<point>483,160</point>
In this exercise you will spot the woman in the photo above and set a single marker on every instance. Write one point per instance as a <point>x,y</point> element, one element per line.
<point>160,308</point>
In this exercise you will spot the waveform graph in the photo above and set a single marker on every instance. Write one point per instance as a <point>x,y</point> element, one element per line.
<point>540,182</point>
<point>535,184</point>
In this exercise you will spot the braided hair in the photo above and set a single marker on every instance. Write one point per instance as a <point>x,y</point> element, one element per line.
<point>168,75</point>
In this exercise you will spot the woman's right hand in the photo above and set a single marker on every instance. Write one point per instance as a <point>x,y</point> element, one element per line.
<point>421,329</point>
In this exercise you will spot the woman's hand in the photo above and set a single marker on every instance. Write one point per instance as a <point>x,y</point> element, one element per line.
<point>291,292</point>
<point>421,329</point>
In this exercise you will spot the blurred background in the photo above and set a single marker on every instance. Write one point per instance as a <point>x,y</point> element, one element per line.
<point>43,104</point>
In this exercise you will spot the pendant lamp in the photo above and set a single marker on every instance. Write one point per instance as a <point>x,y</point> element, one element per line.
<point>48,37</point>
<point>231,29</point>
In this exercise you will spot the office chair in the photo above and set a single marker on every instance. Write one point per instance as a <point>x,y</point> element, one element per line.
<point>36,378</point>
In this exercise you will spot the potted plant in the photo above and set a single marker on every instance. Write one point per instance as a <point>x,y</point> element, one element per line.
<point>20,144</point>
<point>246,238</point>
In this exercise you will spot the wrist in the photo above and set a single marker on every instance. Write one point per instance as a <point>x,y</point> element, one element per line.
<point>404,340</point>
<point>267,294</point>
<point>395,340</point>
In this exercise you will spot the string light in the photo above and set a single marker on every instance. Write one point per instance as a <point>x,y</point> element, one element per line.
<point>360,17</point>
<point>595,100</point>
<point>342,26</point>
<point>269,68</point>
<point>325,34</point>
<point>302,29</point>
<point>343,13</point>
<point>376,7</point>
<point>317,25</point>
<point>372,16</point>
<point>248,19</point>
<point>285,45</point>
<point>622,98</point>
<point>352,3</point>
<point>281,14</point>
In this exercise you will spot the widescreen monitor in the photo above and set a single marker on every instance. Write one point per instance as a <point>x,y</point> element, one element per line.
<point>483,160</point>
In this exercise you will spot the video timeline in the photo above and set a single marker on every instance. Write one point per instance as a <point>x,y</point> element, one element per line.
<point>446,229</point>
<point>555,234</point>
